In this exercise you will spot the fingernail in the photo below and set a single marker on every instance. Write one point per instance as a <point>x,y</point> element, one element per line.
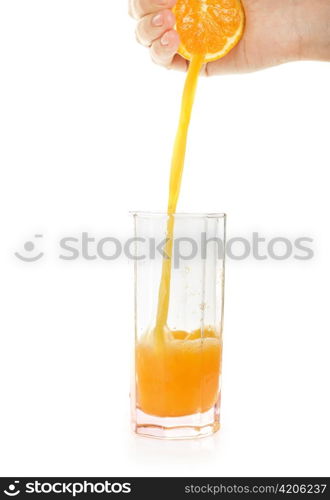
<point>162,2</point>
<point>164,40</point>
<point>157,20</point>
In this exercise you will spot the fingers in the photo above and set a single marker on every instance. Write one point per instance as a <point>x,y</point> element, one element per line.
<point>153,26</point>
<point>164,49</point>
<point>140,8</point>
<point>155,30</point>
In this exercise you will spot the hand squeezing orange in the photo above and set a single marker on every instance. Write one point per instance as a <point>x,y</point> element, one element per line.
<point>210,28</point>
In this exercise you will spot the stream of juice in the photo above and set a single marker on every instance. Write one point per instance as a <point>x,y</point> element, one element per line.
<point>178,157</point>
<point>177,371</point>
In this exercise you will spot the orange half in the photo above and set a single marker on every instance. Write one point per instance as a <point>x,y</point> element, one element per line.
<point>210,28</point>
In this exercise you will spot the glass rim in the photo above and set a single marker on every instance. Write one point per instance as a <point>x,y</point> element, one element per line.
<point>212,215</point>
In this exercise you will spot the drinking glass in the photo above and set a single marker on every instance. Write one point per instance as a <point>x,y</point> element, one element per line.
<point>177,359</point>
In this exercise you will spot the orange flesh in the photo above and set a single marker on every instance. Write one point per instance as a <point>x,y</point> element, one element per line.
<point>208,27</point>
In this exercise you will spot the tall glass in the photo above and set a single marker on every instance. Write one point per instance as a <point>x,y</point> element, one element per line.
<point>177,365</point>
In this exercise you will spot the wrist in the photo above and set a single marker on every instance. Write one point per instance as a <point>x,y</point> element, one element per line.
<point>312,22</point>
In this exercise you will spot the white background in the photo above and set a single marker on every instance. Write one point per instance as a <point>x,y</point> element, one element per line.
<point>86,126</point>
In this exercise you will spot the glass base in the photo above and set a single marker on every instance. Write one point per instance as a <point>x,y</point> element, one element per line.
<point>188,427</point>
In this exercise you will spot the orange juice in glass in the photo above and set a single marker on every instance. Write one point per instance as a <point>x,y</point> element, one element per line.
<point>176,383</point>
